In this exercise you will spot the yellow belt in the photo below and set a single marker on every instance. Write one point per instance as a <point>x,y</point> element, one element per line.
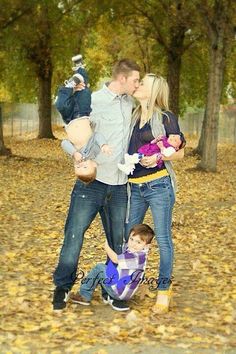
<point>148,178</point>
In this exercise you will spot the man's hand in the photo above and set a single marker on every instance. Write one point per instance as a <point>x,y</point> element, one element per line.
<point>106,149</point>
<point>79,87</point>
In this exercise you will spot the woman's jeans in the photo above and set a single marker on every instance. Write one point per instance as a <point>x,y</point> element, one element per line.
<point>97,276</point>
<point>86,201</point>
<point>159,196</point>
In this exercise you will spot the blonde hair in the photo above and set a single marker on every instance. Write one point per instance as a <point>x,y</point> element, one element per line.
<point>159,99</point>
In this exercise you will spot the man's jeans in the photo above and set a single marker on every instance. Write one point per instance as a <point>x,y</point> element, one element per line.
<point>97,276</point>
<point>159,195</point>
<point>86,202</point>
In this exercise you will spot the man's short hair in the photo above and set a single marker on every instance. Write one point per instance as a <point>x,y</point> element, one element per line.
<point>145,232</point>
<point>125,67</point>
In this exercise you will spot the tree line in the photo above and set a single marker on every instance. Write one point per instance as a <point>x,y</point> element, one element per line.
<point>192,43</point>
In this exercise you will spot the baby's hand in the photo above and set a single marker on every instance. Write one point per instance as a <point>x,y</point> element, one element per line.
<point>159,137</point>
<point>160,144</point>
<point>106,149</point>
<point>77,156</point>
<point>159,157</point>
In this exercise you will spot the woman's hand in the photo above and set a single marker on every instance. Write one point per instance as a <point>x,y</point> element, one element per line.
<point>178,155</point>
<point>149,161</point>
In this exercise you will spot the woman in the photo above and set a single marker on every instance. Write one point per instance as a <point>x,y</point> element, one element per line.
<point>154,187</point>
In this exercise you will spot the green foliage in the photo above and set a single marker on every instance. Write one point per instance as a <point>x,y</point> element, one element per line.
<point>194,77</point>
<point>103,31</point>
<point>53,32</point>
<point>172,31</point>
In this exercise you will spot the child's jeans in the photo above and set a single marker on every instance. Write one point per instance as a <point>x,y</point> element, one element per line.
<point>97,276</point>
<point>73,104</point>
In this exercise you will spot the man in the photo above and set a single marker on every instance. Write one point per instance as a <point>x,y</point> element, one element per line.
<point>107,195</point>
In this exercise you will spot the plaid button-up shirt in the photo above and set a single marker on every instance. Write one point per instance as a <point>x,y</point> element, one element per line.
<point>130,270</point>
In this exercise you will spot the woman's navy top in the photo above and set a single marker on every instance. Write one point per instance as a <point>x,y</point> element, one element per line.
<point>144,135</point>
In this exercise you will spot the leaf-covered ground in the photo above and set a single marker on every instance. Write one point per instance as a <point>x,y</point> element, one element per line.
<point>35,189</point>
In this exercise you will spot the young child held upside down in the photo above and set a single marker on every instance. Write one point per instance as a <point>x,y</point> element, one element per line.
<point>83,143</point>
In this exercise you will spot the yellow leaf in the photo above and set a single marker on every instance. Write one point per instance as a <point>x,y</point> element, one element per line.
<point>114,329</point>
<point>161,329</point>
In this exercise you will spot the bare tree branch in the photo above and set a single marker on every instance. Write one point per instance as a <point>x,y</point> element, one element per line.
<point>205,11</point>
<point>164,5</point>
<point>158,36</point>
<point>191,43</point>
<point>69,9</point>
<point>13,17</point>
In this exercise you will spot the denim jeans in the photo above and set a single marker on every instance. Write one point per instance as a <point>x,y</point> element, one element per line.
<point>72,105</point>
<point>97,276</point>
<point>86,201</point>
<point>159,196</point>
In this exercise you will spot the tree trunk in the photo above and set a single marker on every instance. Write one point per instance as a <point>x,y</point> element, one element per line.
<point>173,78</point>
<point>41,56</point>
<point>3,149</point>
<point>210,135</point>
<point>199,148</point>
<point>44,103</point>
<point>174,59</point>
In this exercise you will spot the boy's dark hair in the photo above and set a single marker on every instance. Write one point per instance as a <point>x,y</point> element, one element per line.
<point>125,67</point>
<point>145,232</point>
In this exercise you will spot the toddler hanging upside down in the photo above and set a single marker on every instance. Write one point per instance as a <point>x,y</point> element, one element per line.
<point>83,143</point>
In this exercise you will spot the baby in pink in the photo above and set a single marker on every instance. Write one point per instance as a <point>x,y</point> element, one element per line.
<point>161,146</point>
